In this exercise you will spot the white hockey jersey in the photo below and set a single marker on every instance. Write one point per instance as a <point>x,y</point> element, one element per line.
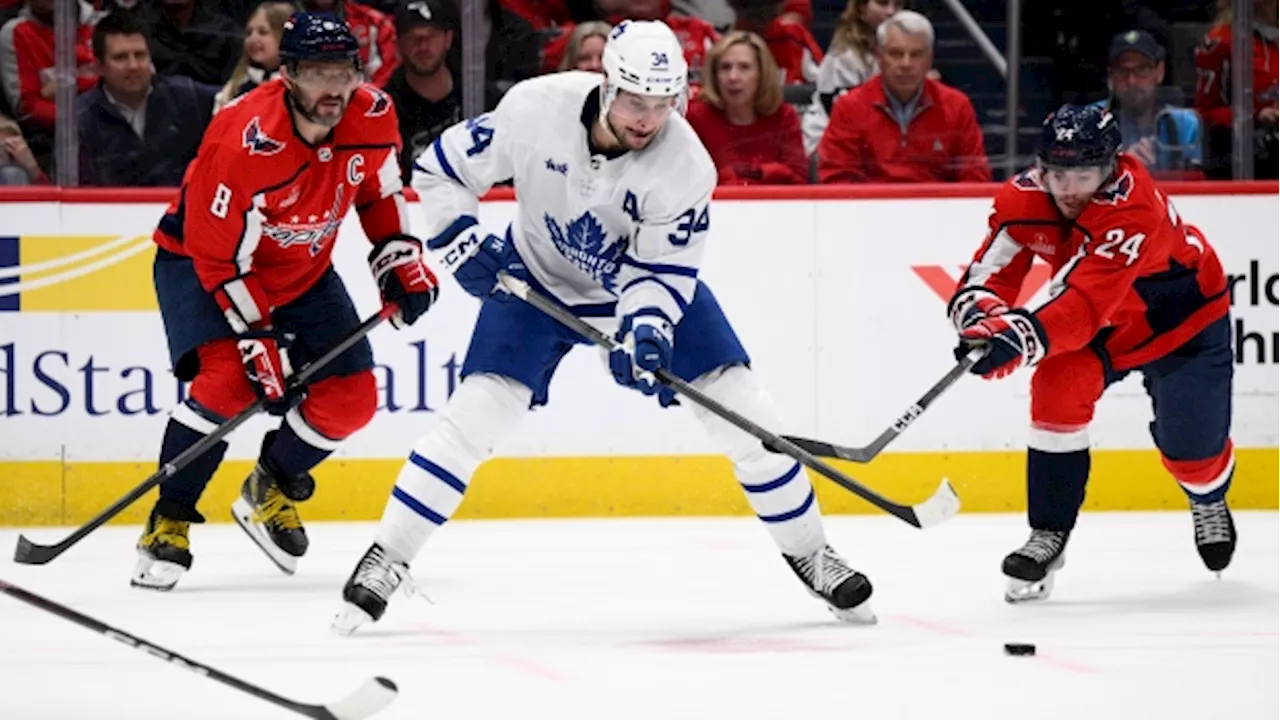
<point>592,229</point>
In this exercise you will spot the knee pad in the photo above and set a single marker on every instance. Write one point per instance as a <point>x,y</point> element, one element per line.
<point>483,410</point>
<point>738,389</point>
<point>221,385</point>
<point>338,406</point>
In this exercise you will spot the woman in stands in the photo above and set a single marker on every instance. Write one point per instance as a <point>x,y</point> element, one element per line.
<point>850,60</point>
<point>586,47</point>
<point>753,137</point>
<point>261,58</point>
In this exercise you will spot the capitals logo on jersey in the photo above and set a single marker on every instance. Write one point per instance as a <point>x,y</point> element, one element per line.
<point>1117,192</point>
<point>582,242</point>
<point>257,142</point>
<point>313,230</point>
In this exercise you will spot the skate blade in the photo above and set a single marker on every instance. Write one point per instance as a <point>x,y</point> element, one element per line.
<point>158,575</point>
<point>857,615</point>
<point>349,619</point>
<point>242,511</point>
<point>1020,591</point>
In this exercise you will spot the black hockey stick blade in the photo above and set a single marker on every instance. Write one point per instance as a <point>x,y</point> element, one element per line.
<point>910,415</point>
<point>370,698</point>
<point>30,553</point>
<point>943,504</point>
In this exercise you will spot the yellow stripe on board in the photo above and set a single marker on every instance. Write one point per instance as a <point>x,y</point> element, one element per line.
<point>104,273</point>
<point>41,493</point>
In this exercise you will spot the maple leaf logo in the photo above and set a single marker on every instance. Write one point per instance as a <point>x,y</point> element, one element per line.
<point>583,242</point>
<point>587,233</point>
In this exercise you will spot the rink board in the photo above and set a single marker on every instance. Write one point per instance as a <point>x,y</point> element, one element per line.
<point>839,300</point>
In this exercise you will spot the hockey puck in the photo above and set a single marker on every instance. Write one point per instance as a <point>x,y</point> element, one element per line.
<point>1019,649</point>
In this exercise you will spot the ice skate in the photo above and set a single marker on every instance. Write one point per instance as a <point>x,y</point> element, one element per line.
<point>1031,568</point>
<point>265,511</point>
<point>1215,534</point>
<point>369,589</point>
<point>829,578</point>
<point>164,550</point>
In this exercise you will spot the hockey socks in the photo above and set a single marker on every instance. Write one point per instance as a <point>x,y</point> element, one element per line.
<point>1055,488</point>
<point>188,425</point>
<point>785,503</point>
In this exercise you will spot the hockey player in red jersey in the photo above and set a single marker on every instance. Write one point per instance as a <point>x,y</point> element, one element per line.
<point>247,290</point>
<point>1134,289</point>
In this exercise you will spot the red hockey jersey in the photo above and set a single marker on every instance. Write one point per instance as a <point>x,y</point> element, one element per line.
<point>1128,265</point>
<point>260,202</point>
<point>1213,75</point>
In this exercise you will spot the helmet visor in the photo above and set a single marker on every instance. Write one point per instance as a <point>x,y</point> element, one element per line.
<point>1073,181</point>
<point>650,109</point>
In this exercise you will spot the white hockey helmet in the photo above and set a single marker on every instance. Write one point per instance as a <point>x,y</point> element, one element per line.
<point>644,57</point>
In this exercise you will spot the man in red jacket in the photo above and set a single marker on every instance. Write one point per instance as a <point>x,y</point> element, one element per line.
<point>26,47</point>
<point>903,126</point>
<point>374,30</point>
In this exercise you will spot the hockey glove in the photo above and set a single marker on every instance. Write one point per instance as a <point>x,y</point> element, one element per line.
<point>646,338</point>
<point>403,278</point>
<point>475,261</point>
<point>265,354</point>
<point>1013,339</point>
<point>973,304</point>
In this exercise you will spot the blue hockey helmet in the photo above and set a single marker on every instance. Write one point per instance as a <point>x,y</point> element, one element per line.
<point>1079,136</point>
<point>318,37</point>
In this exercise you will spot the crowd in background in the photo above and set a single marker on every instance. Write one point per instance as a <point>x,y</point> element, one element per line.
<point>772,104</point>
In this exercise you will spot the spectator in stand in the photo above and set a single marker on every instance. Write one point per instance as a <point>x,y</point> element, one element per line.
<point>18,165</point>
<point>721,15</point>
<point>752,136</point>
<point>375,31</point>
<point>261,59</point>
<point>511,50</point>
<point>696,35</point>
<point>137,128</point>
<point>1164,137</point>
<point>849,62</point>
<point>542,15</point>
<point>585,50</point>
<point>1213,89</point>
<point>427,98</point>
<point>189,40</point>
<point>903,126</point>
<point>27,63</point>
<point>793,48</point>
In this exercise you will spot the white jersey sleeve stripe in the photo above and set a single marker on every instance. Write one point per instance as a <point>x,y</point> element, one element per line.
<point>1002,251</point>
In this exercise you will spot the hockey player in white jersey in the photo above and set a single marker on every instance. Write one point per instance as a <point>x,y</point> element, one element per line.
<point>613,209</point>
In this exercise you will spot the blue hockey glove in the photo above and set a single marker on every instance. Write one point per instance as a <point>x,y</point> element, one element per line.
<point>476,262</point>
<point>646,338</point>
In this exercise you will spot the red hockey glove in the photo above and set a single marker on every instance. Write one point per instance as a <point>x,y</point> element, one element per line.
<point>1014,339</point>
<point>265,354</point>
<point>403,278</point>
<point>973,304</point>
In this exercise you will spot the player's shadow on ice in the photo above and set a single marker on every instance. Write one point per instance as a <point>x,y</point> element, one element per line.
<point>1200,596</point>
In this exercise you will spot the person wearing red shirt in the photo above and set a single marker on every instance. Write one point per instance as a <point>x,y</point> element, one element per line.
<point>247,291</point>
<point>752,136</point>
<point>27,59</point>
<point>1135,289</point>
<point>903,126</point>
<point>1213,85</point>
<point>793,47</point>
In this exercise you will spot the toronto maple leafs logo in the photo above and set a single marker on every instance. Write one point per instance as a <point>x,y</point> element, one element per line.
<point>584,242</point>
<point>257,142</point>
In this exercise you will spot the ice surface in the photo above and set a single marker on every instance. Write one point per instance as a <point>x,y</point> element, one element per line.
<point>673,618</point>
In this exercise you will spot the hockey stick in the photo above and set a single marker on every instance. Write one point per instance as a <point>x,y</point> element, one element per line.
<point>941,505</point>
<point>914,411</point>
<point>29,553</point>
<point>371,697</point>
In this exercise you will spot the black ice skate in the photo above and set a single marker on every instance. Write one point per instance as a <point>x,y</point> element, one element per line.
<point>265,511</point>
<point>164,550</point>
<point>1030,568</point>
<point>369,589</point>
<point>829,578</point>
<point>1215,534</point>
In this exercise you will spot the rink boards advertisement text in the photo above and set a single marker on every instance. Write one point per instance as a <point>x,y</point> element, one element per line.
<point>840,302</point>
